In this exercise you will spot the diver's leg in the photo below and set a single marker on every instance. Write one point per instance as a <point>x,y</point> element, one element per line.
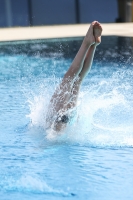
<point>77,83</point>
<point>74,94</point>
<point>63,93</point>
<point>86,66</point>
<point>91,51</point>
<point>78,61</point>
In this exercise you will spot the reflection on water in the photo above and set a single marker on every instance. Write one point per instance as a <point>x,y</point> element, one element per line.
<point>113,47</point>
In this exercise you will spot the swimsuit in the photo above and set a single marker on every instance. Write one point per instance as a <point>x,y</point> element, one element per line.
<point>63,119</point>
<point>70,117</point>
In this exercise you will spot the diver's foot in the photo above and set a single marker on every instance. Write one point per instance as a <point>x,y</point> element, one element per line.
<point>90,38</point>
<point>97,31</point>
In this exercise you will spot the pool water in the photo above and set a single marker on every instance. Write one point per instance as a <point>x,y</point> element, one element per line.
<point>92,159</point>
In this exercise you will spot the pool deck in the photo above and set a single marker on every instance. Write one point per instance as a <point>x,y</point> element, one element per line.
<point>61,31</point>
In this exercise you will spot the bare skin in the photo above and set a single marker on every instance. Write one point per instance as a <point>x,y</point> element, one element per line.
<point>66,95</point>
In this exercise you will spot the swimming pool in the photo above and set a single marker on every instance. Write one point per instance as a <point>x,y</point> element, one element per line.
<point>92,159</point>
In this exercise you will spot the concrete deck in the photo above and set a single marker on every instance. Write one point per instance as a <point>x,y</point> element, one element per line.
<point>60,31</point>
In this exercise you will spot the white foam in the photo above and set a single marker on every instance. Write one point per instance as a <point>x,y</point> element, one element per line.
<point>105,114</point>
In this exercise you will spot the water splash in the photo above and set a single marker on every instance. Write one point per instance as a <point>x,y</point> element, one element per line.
<point>105,111</point>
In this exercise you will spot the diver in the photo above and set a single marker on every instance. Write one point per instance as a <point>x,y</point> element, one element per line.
<point>64,99</point>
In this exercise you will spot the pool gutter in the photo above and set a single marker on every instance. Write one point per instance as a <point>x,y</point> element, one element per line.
<point>61,31</point>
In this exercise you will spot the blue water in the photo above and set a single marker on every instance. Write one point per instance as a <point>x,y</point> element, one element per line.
<point>92,159</point>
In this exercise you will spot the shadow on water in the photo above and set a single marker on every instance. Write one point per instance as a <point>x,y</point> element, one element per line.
<point>113,48</point>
